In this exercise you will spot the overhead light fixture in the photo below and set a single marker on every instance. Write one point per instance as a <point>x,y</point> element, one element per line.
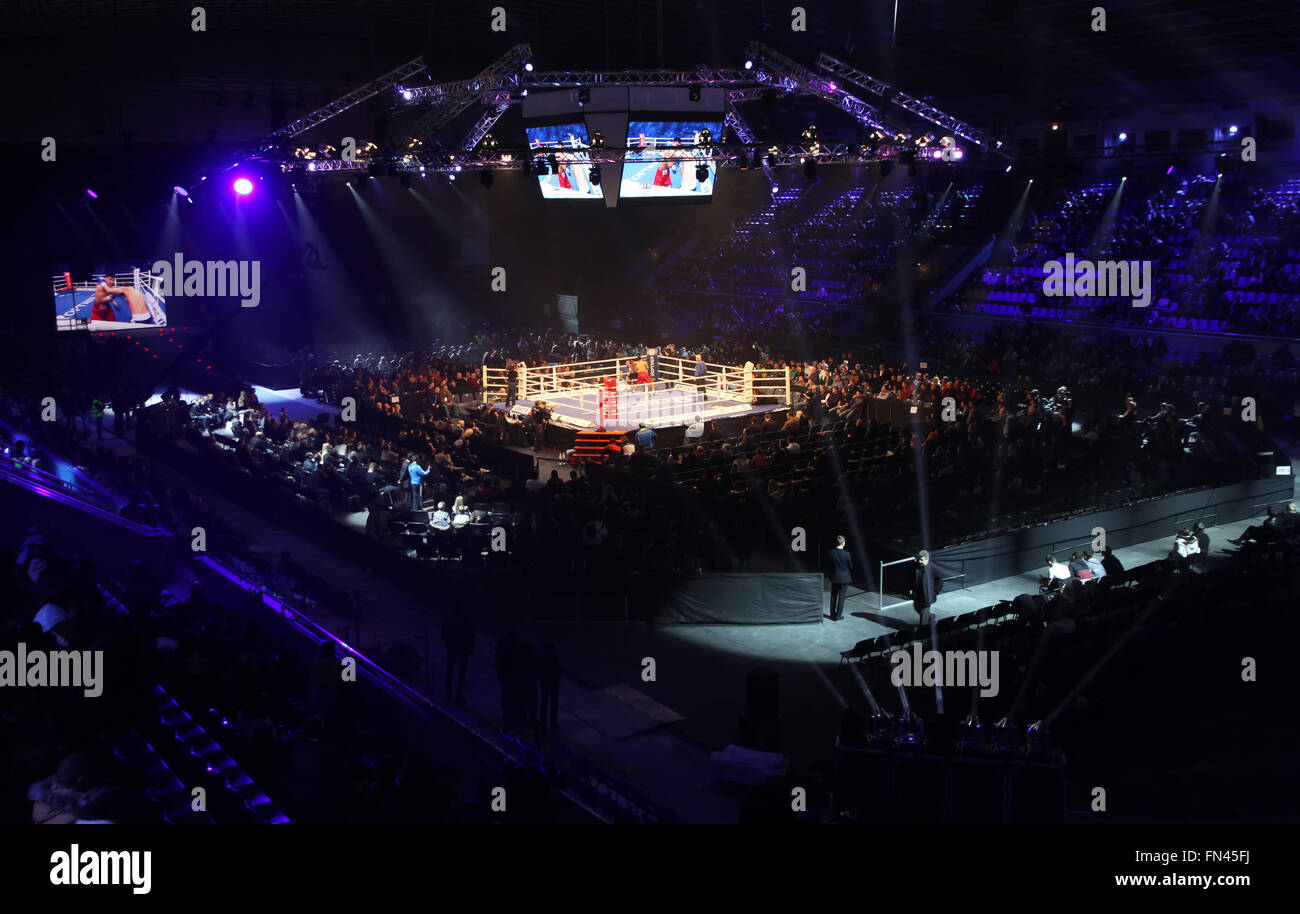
<point>749,65</point>
<point>1232,130</point>
<point>701,173</point>
<point>528,66</point>
<point>1122,137</point>
<point>584,96</point>
<point>180,191</point>
<point>695,93</point>
<point>594,176</point>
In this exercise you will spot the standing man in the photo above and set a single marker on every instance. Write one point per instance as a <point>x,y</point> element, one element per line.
<point>641,368</point>
<point>512,383</point>
<point>417,474</point>
<point>97,410</point>
<point>925,586</point>
<point>841,577</point>
<point>701,375</point>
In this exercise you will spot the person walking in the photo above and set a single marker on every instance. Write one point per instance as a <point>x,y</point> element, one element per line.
<point>841,577</point>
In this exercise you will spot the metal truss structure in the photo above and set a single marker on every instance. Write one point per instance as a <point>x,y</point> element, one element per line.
<point>730,156</point>
<point>506,81</point>
<point>923,110</point>
<point>573,79</point>
<point>775,69</point>
<point>498,78</point>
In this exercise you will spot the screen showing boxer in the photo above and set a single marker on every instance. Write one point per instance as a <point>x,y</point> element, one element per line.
<point>561,151</point>
<point>107,303</point>
<point>670,159</point>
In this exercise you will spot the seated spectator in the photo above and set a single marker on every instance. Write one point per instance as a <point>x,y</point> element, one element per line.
<point>440,520</point>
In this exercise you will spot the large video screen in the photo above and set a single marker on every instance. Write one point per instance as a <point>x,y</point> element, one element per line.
<point>108,302</point>
<point>562,149</point>
<point>664,160</point>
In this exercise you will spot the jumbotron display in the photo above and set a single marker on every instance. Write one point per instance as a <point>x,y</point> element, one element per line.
<point>560,156</point>
<point>669,159</point>
<point>108,302</point>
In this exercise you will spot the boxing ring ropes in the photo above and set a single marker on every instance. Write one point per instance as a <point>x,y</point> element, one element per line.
<point>675,397</point>
<point>144,281</point>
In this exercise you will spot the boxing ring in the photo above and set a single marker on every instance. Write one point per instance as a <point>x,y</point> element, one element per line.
<point>601,393</point>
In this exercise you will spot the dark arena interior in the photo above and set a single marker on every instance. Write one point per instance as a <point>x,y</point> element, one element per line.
<point>652,412</point>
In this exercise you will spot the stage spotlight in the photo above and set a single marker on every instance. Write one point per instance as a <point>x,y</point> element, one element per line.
<point>1008,171</point>
<point>91,194</point>
<point>775,190</point>
<point>243,186</point>
<point>1122,137</point>
<point>832,86</point>
<point>1232,130</point>
<point>554,162</point>
<point>1056,126</point>
<point>695,93</point>
<point>594,176</point>
<point>451,176</point>
<point>584,96</point>
<point>749,65</point>
<point>701,173</point>
<point>180,191</point>
<point>485,177</point>
<point>528,66</point>
<point>706,137</point>
<point>598,140</point>
<point>408,94</point>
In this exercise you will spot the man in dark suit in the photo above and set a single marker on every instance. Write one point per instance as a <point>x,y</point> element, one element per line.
<point>925,586</point>
<point>841,577</point>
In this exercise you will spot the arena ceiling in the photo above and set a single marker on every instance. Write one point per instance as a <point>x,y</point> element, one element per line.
<point>980,59</point>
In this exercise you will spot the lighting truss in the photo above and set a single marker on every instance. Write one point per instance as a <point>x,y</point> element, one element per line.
<point>480,130</point>
<point>502,75</point>
<point>775,69</point>
<point>351,100</point>
<point>504,80</point>
<point>923,110</point>
<point>730,156</point>
<point>740,128</point>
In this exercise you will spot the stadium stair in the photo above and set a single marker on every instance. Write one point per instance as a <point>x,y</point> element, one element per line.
<point>590,445</point>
